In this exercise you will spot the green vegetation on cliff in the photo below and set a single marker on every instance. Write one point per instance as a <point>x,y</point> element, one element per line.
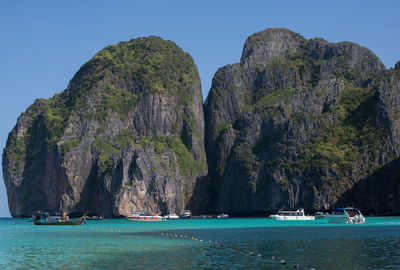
<point>345,132</point>
<point>160,143</point>
<point>144,65</point>
<point>115,79</point>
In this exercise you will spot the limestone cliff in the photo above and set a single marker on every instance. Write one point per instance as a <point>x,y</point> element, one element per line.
<point>298,123</point>
<point>126,134</point>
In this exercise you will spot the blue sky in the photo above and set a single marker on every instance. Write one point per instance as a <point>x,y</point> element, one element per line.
<point>43,43</point>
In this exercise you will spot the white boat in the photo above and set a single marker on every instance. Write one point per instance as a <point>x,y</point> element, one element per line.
<point>346,215</point>
<point>172,216</point>
<point>292,215</point>
<point>186,214</point>
<point>145,216</point>
<point>223,215</point>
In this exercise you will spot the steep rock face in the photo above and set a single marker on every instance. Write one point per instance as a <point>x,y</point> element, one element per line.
<point>297,123</point>
<point>126,134</point>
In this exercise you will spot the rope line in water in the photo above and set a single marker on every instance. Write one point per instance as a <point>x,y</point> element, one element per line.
<point>207,242</point>
<point>245,251</point>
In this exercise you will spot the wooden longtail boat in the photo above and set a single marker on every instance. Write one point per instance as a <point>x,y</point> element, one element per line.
<point>45,219</point>
<point>61,222</point>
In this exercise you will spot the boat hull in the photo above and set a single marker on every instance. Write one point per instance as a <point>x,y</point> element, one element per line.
<point>172,217</point>
<point>345,220</point>
<point>346,216</point>
<point>294,218</point>
<point>147,218</point>
<point>70,222</point>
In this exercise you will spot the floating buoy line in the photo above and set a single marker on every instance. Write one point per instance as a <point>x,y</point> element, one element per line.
<point>222,245</point>
<point>273,259</point>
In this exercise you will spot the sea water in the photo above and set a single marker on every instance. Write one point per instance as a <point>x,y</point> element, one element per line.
<point>234,243</point>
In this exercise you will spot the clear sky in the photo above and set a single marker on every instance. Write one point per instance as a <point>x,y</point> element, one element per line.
<point>43,43</point>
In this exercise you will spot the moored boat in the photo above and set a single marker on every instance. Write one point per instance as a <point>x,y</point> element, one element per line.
<point>346,215</point>
<point>292,215</point>
<point>223,215</point>
<point>95,217</point>
<point>172,216</point>
<point>186,214</point>
<point>46,219</point>
<point>145,216</point>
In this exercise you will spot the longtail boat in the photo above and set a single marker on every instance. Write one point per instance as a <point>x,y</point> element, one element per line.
<point>45,219</point>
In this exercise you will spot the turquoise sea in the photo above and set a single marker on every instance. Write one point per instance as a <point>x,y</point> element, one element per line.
<point>248,243</point>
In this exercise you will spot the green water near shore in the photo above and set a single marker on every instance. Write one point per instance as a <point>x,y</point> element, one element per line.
<point>125,244</point>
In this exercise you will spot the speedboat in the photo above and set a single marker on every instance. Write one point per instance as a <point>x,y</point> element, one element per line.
<point>186,214</point>
<point>291,215</point>
<point>223,215</point>
<point>145,216</point>
<point>346,215</point>
<point>172,216</point>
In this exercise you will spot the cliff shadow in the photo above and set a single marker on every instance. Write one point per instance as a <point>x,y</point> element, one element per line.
<point>199,203</point>
<point>377,194</point>
<point>94,197</point>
